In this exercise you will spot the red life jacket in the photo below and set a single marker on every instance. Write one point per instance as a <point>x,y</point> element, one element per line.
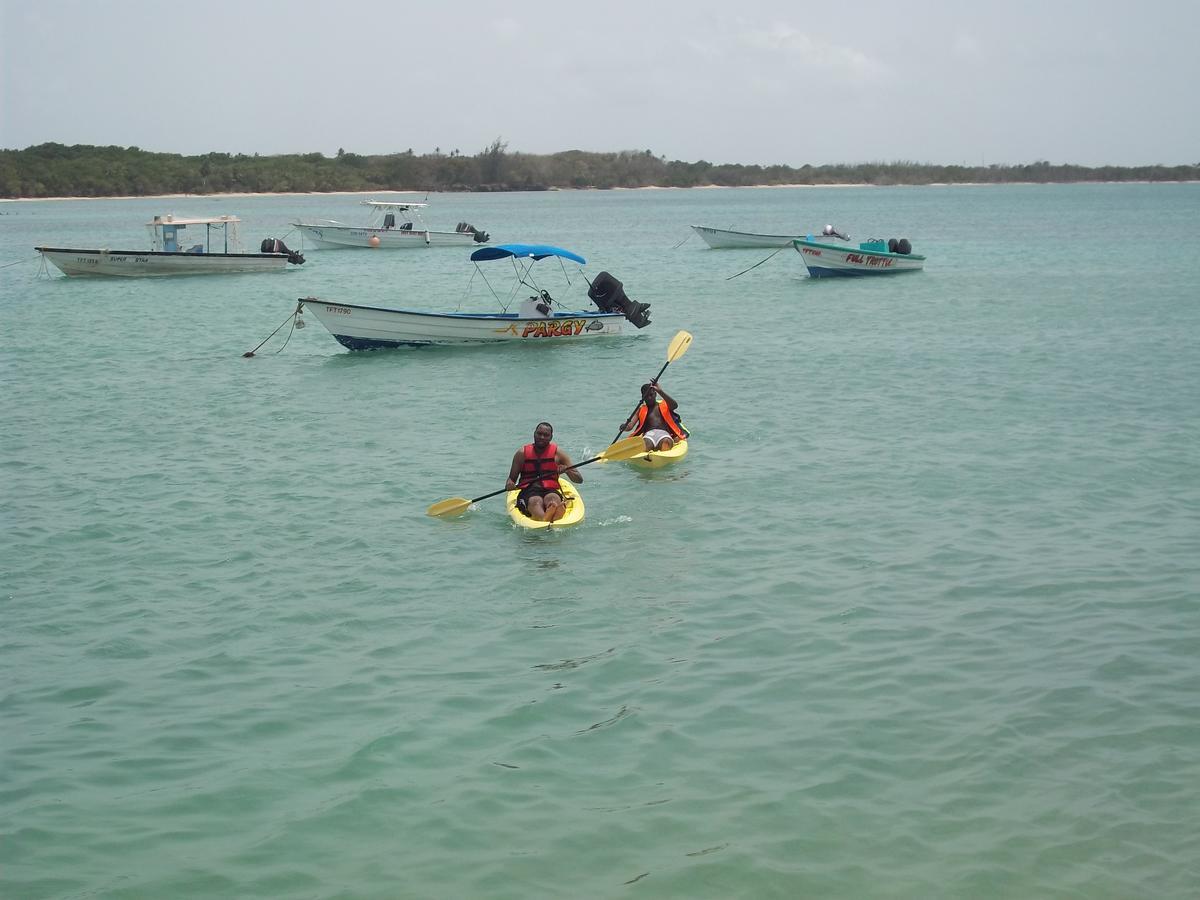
<point>667,417</point>
<point>540,469</point>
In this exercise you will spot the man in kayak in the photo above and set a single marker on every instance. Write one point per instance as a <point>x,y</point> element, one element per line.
<point>655,419</point>
<point>535,469</point>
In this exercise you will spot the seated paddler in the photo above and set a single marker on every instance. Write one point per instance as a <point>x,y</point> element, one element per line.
<point>535,470</point>
<point>656,419</point>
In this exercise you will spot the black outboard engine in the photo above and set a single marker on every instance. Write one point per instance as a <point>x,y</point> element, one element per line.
<point>609,294</point>
<point>892,245</point>
<point>903,246</point>
<point>481,237</point>
<point>274,245</point>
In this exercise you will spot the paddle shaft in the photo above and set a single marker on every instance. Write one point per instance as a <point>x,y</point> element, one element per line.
<point>521,487</point>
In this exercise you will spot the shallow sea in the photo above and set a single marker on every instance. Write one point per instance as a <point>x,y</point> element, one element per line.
<point>919,616</point>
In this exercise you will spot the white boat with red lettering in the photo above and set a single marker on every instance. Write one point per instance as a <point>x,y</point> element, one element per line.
<point>216,251</point>
<point>535,321</point>
<point>872,257</point>
<point>383,232</point>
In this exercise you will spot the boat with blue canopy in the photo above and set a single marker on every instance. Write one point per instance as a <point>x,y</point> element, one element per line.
<point>536,318</point>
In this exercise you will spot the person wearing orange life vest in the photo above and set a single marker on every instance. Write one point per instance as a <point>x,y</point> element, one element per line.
<point>655,419</point>
<point>535,469</point>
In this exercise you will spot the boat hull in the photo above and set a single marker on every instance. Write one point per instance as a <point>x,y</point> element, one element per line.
<point>151,263</point>
<point>830,261</point>
<point>372,328</point>
<point>656,459</point>
<point>720,239</point>
<point>573,515</point>
<point>334,236</point>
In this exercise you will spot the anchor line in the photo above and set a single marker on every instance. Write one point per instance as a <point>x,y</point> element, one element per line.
<point>291,318</point>
<point>755,266</point>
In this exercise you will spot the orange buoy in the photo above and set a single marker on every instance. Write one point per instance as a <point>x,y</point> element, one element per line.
<point>373,241</point>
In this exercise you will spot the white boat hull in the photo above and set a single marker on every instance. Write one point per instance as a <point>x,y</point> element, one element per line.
<point>147,263</point>
<point>333,236</point>
<point>720,239</point>
<point>828,260</point>
<point>372,328</point>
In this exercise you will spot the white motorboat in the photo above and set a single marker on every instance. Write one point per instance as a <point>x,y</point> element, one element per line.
<point>360,327</point>
<point>383,232</point>
<point>871,257</point>
<point>723,239</point>
<point>216,251</point>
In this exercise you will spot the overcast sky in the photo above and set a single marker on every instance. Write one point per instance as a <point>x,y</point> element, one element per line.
<point>740,81</point>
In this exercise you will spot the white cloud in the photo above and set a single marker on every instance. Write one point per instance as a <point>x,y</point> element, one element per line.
<point>965,47</point>
<point>507,29</point>
<point>814,53</point>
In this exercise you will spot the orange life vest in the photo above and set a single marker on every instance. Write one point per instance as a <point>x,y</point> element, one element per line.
<point>667,417</point>
<point>540,469</point>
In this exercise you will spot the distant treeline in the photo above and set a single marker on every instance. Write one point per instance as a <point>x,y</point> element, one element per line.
<point>56,170</point>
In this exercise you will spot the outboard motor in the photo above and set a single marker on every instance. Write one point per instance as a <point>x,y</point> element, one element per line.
<point>481,237</point>
<point>274,245</point>
<point>903,246</point>
<point>891,245</point>
<point>609,294</point>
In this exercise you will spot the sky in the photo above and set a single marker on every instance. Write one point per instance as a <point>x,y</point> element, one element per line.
<point>742,81</point>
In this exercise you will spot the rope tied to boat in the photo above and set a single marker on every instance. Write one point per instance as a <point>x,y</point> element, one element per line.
<point>24,260</point>
<point>294,318</point>
<point>755,266</point>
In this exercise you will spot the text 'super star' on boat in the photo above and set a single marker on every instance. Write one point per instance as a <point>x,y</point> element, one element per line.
<point>360,327</point>
<point>217,251</point>
<point>383,232</point>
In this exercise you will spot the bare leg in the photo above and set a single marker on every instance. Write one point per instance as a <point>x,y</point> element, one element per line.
<point>666,444</point>
<point>536,509</point>
<point>555,508</point>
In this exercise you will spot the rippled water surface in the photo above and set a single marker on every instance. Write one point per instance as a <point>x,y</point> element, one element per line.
<point>917,617</point>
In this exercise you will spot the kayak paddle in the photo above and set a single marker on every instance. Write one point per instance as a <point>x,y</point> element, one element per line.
<point>678,346</point>
<point>627,448</point>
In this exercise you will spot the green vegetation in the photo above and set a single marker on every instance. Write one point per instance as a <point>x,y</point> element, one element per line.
<point>56,170</point>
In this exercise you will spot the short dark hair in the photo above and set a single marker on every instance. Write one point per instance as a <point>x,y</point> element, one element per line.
<point>547,424</point>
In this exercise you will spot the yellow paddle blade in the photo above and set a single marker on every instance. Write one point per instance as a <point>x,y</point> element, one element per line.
<point>679,345</point>
<point>449,507</point>
<point>626,448</point>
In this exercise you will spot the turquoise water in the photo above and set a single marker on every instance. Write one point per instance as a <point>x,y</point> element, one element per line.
<point>917,617</point>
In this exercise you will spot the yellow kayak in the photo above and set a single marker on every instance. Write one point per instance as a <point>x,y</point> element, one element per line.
<point>656,459</point>
<point>573,515</point>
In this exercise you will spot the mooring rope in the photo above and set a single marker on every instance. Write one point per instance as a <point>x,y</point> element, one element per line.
<point>755,266</point>
<point>19,261</point>
<point>291,318</point>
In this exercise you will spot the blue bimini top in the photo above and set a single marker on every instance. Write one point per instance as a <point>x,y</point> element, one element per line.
<point>524,251</point>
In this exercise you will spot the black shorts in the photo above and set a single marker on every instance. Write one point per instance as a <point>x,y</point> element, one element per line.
<point>534,490</point>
